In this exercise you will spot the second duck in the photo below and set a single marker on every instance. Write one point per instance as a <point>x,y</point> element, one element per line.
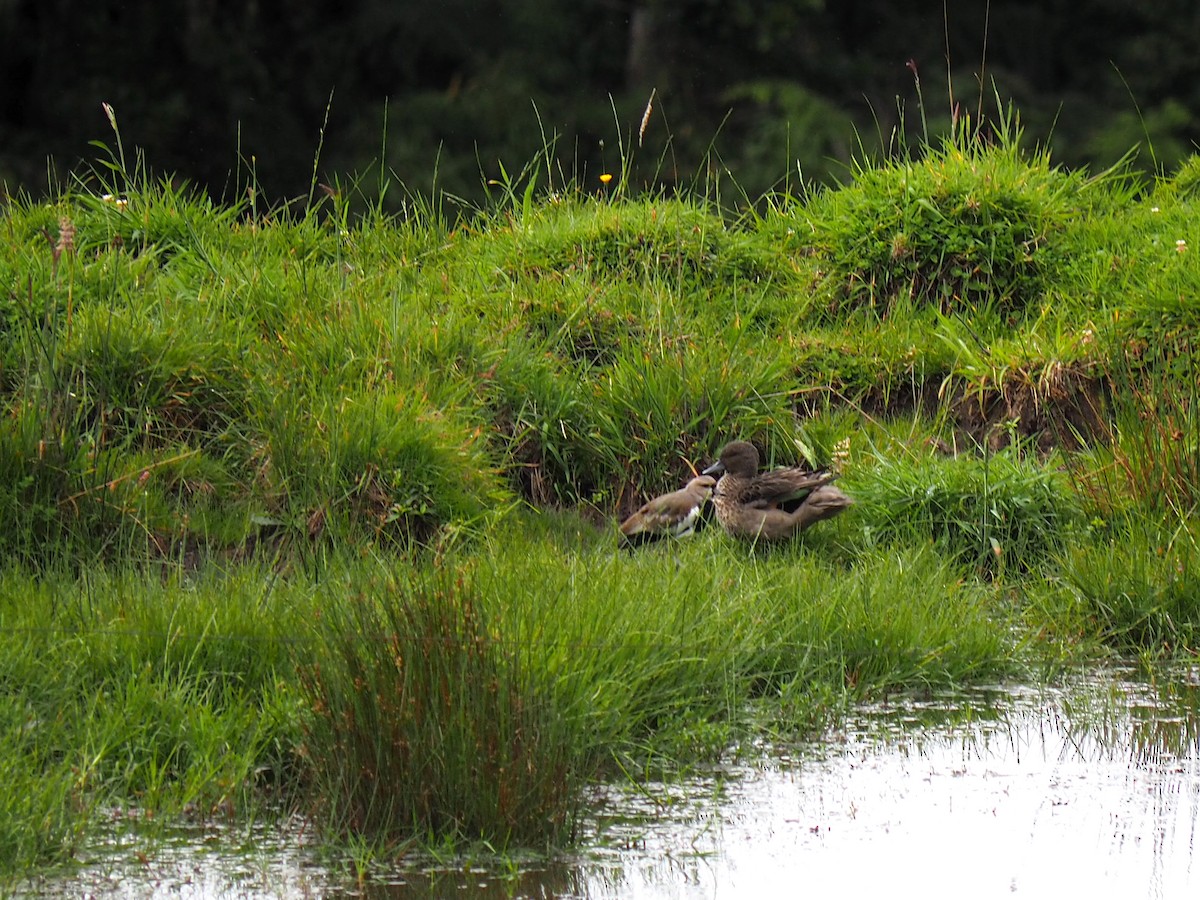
<point>772,505</point>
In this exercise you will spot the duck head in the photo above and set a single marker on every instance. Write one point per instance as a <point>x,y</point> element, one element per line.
<point>736,458</point>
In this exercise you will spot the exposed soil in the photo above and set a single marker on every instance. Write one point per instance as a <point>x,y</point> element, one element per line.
<point>1057,408</point>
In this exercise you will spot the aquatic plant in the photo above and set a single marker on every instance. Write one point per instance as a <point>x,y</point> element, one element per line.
<point>422,721</point>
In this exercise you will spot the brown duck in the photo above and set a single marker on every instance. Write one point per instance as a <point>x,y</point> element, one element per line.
<point>770,505</point>
<point>676,514</point>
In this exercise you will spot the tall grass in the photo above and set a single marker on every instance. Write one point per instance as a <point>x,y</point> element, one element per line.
<point>1137,592</point>
<point>424,722</point>
<point>143,698</point>
<point>573,350</point>
<point>1154,443</point>
<point>972,225</point>
<point>466,698</point>
<point>1154,400</point>
<point>1143,341</point>
<point>996,513</point>
<point>638,649</point>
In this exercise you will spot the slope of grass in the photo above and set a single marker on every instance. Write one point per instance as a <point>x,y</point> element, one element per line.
<point>305,510</point>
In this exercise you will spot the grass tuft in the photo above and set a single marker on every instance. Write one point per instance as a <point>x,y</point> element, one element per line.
<point>422,723</point>
<point>996,515</point>
<point>970,227</point>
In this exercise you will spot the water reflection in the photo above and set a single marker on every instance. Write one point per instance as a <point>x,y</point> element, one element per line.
<point>1089,789</point>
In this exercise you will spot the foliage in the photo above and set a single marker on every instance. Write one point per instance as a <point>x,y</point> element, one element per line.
<point>970,227</point>
<point>422,723</point>
<point>997,514</point>
<point>752,88</point>
<point>303,506</point>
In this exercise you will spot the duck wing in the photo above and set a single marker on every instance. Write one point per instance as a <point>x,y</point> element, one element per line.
<point>781,487</point>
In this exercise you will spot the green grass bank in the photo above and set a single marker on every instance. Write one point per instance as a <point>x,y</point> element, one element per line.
<point>313,510</point>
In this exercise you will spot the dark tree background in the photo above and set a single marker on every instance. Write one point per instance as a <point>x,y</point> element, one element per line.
<point>427,91</point>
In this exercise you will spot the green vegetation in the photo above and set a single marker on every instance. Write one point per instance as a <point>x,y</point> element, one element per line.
<point>307,511</point>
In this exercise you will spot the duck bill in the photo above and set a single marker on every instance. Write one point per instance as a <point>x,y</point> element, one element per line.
<point>717,468</point>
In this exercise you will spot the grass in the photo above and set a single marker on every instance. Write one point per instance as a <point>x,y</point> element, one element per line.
<point>1135,592</point>
<point>994,513</point>
<point>469,698</point>
<point>139,697</point>
<point>425,723</point>
<point>310,510</point>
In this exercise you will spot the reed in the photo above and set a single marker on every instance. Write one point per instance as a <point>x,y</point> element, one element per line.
<point>424,722</point>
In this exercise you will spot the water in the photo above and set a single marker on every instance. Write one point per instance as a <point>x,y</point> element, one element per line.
<point>1092,790</point>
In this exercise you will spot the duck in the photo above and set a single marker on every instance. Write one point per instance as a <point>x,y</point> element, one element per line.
<point>773,505</point>
<point>677,514</point>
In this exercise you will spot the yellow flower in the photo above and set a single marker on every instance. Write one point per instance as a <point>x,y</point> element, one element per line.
<point>605,178</point>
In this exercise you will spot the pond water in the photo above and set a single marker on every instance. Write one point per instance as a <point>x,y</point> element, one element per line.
<point>1088,789</point>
